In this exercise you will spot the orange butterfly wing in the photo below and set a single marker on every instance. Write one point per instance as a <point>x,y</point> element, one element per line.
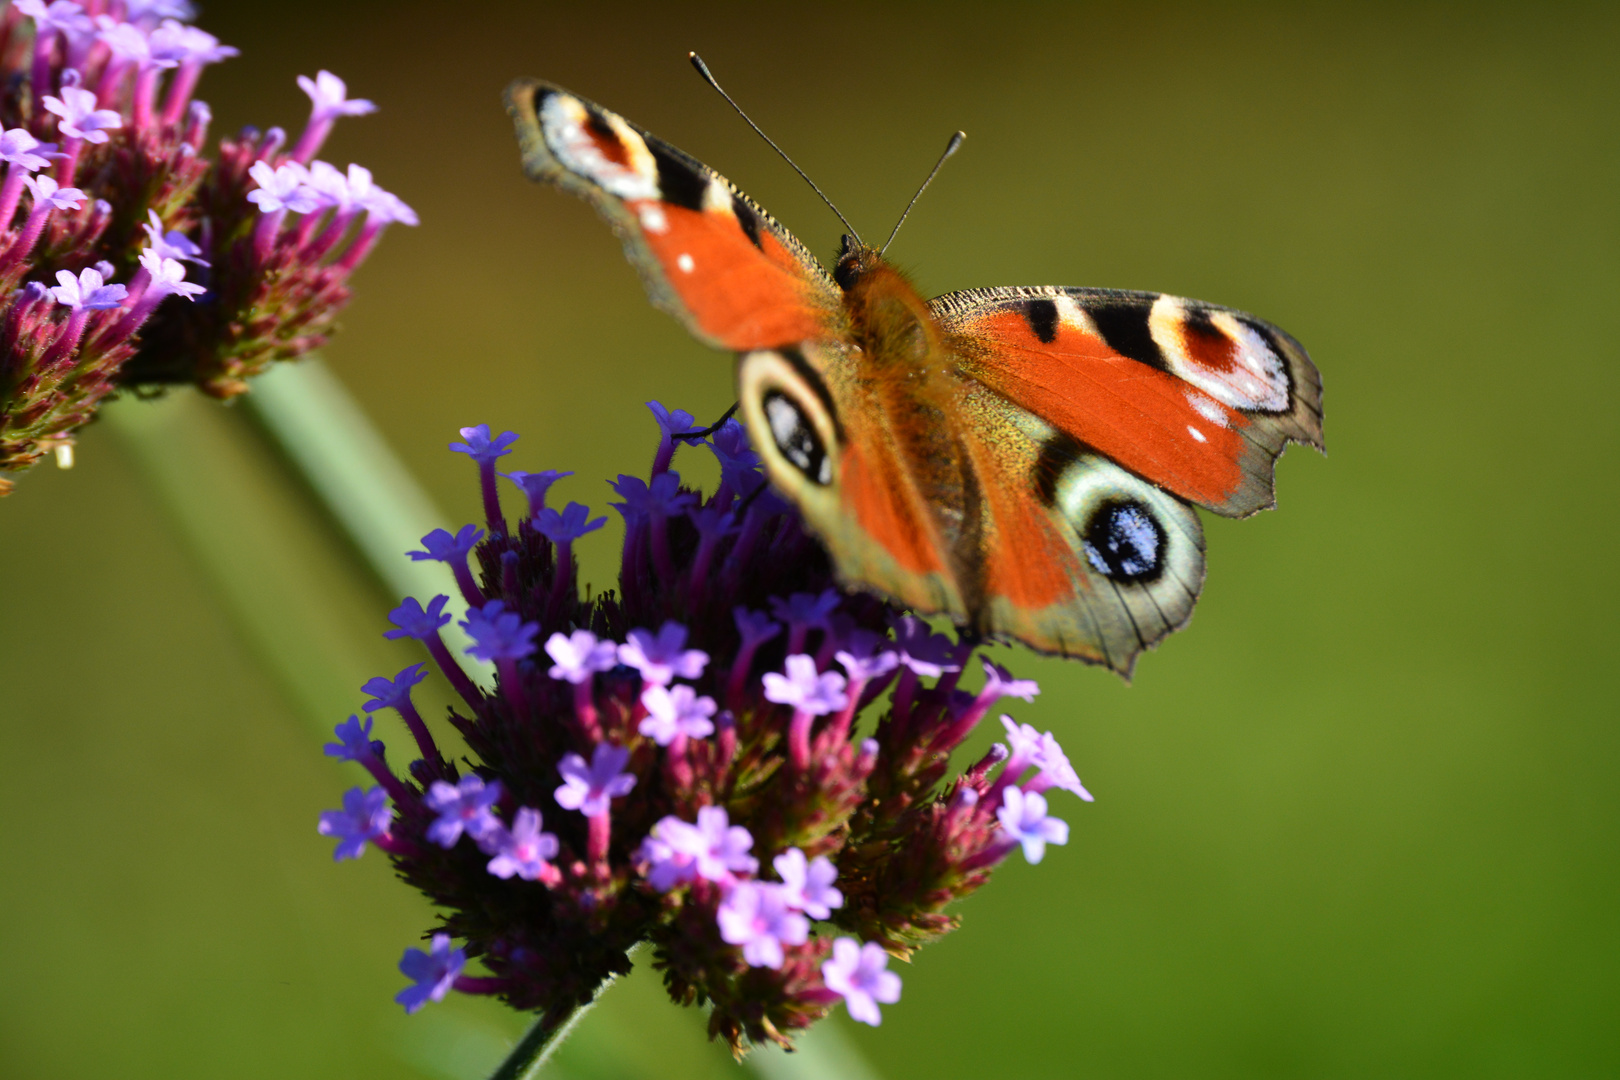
<point>1196,398</point>
<point>707,253</point>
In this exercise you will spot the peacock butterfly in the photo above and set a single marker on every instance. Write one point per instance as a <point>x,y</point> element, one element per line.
<point>1023,460</point>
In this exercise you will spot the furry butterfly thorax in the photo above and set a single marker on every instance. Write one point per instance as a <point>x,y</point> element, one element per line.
<point>1024,460</point>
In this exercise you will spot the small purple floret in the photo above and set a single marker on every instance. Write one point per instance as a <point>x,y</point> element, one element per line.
<point>579,655</point>
<point>463,807</point>
<point>662,658</point>
<point>354,739</point>
<point>859,974</point>
<point>524,851</point>
<point>481,447</point>
<point>364,818</point>
<point>393,693</point>
<point>759,917</point>
<point>676,711</point>
<point>677,851</point>
<point>412,621</point>
<point>433,973</point>
<point>499,634</point>
<point>804,689</point>
<point>573,522</point>
<point>535,485</point>
<point>1023,818</point>
<point>809,885</point>
<point>440,546</point>
<point>591,789</point>
<point>926,653</point>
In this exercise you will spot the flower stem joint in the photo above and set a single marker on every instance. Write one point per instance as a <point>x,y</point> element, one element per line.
<point>695,767</point>
<point>106,174</point>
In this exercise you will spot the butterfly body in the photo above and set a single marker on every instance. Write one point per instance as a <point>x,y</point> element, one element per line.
<point>1020,459</point>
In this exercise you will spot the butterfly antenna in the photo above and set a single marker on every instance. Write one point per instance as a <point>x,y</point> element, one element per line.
<point>950,148</point>
<point>708,77</point>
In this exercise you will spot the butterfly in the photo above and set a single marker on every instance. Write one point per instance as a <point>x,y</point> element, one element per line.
<point>1024,460</point>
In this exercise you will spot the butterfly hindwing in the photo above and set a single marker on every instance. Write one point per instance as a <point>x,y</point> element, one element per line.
<point>1004,523</point>
<point>707,253</point>
<point>1196,398</point>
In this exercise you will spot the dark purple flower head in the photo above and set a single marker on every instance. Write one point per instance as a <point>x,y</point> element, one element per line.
<point>440,546</point>
<point>395,692</point>
<point>591,789</point>
<point>354,739</point>
<point>859,974</point>
<point>411,620</point>
<point>464,806</point>
<point>499,634</point>
<point>364,818</point>
<point>664,656</point>
<point>573,522</point>
<point>816,742</point>
<point>523,851</point>
<point>432,973</point>
<point>478,444</point>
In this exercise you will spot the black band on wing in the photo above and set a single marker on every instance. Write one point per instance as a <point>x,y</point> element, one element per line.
<point>1042,316</point>
<point>678,182</point>
<point>747,219</point>
<point>1125,328</point>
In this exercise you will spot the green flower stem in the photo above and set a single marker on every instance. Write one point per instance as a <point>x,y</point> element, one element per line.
<point>532,1051</point>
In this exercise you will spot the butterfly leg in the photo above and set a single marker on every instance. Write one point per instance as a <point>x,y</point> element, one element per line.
<point>699,434</point>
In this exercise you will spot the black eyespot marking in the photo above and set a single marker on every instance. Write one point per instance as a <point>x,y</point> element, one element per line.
<point>1125,542</point>
<point>747,219</point>
<point>679,181</point>
<point>1124,326</point>
<point>1042,316</point>
<point>796,438</point>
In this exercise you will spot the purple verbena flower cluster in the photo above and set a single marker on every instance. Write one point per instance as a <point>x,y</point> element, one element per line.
<point>720,755</point>
<point>109,206</point>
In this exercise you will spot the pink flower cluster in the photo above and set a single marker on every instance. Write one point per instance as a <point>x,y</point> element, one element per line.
<point>726,757</point>
<point>107,191</point>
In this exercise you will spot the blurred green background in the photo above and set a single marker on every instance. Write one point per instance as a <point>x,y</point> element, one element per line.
<point>1360,819</point>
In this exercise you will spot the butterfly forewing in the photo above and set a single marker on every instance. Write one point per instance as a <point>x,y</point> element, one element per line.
<point>707,253</point>
<point>1195,398</point>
